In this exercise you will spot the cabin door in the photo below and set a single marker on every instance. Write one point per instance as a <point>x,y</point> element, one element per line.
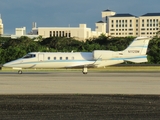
<point>41,57</point>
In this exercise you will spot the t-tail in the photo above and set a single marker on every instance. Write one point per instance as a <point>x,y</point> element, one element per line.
<point>136,51</point>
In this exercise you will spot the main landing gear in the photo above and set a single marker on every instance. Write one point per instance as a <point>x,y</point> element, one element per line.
<point>20,72</point>
<point>84,70</point>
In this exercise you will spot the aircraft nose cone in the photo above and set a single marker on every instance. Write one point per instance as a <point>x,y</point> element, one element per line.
<point>12,63</point>
<point>5,65</point>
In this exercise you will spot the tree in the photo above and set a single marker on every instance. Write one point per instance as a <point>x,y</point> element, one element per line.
<point>154,50</point>
<point>12,49</point>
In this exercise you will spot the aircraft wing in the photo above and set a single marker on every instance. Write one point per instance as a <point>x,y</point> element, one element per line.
<point>80,65</point>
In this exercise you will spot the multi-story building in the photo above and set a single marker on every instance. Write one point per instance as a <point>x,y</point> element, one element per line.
<point>122,25</point>
<point>1,26</point>
<point>80,33</point>
<point>149,24</point>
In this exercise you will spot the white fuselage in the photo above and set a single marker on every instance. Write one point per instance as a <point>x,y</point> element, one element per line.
<point>60,60</point>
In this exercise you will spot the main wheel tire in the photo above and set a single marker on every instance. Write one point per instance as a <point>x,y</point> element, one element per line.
<point>84,72</point>
<point>20,72</point>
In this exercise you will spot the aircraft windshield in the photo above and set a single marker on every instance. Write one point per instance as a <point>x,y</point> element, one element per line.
<point>29,56</point>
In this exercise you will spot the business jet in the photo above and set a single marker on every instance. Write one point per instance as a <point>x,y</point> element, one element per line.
<point>135,52</point>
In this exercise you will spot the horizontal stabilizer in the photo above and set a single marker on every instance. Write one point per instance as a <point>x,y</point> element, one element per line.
<point>139,59</point>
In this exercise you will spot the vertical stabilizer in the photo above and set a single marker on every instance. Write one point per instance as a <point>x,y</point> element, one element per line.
<point>136,51</point>
<point>137,47</point>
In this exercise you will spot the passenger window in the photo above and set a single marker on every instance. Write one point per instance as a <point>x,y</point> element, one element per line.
<point>60,58</point>
<point>48,58</point>
<point>66,58</point>
<point>33,55</point>
<point>54,58</point>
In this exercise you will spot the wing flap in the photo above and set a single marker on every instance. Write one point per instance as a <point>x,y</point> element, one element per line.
<point>80,65</point>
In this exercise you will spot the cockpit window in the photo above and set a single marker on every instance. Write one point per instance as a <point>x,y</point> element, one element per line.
<point>29,56</point>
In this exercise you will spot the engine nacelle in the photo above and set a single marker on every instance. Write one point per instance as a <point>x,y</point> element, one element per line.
<point>102,54</point>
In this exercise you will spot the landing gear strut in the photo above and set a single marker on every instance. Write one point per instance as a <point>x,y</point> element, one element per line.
<point>19,71</point>
<point>84,70</point>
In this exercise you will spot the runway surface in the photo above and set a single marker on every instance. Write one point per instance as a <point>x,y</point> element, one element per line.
<point>79,107</point>
<point>74,96</point>
<point>77,83</point>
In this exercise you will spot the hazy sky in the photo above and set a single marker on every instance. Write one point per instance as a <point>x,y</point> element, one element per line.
<point>61,13</point>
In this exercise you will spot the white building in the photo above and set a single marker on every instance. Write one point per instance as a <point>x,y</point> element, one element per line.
<point>22,32</point>
<point>122,25</point>
<point>80,33</point>
<point>1,26</point>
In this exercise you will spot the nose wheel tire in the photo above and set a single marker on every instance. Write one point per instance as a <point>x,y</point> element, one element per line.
<point>20,72</point>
